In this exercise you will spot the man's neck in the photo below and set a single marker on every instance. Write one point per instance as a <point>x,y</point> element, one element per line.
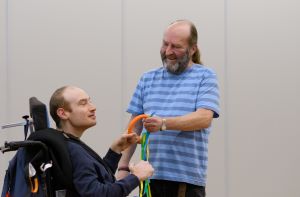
<point>190,64</point>
<point>75,133</point>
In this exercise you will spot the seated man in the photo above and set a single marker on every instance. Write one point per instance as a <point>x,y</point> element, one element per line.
<point>73,113</point>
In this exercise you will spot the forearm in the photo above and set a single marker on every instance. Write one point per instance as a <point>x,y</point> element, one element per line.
<point>112,159</point>
<point>123,165</point>
<point>126,155</point>
<point>86,186</point>
<point>197,120</point>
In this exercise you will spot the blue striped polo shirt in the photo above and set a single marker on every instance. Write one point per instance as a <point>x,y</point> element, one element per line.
<point>176,155</point>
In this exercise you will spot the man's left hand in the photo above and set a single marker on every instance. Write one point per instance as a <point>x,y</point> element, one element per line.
<point>124,142</point>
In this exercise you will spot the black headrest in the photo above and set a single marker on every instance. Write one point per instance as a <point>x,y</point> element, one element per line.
<point>38,113</point>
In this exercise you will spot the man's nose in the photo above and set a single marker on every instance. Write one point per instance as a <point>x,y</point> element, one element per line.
<point>92,107</point>
<point>168,50</point>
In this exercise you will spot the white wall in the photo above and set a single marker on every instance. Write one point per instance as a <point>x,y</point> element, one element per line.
<point>3,89</point>
<point>263,98</point>
<point>104,46</point>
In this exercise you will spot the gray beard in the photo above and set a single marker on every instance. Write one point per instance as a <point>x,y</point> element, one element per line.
<point>179,66</point>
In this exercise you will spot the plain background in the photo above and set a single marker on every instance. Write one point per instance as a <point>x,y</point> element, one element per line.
<point>104,46</point>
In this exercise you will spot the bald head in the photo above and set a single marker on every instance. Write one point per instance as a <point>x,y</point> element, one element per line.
<point>188,32</point>
<point>180,30</point>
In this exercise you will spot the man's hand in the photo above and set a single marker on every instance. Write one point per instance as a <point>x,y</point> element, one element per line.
<point>143,170</point>
<point>124,142</point>
<point>153,123</point>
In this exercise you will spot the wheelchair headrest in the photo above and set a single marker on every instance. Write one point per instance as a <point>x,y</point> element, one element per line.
<point>38,113</point>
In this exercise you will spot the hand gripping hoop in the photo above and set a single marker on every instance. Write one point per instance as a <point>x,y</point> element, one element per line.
<point>134,121</point>
<point>144,141</point>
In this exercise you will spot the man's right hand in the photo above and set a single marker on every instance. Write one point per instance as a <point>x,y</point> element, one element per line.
<point>143,170</point>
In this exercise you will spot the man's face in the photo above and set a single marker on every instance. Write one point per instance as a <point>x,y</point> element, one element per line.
<point>175,51</point>
<point>174,63</point>
<point>82,113</point>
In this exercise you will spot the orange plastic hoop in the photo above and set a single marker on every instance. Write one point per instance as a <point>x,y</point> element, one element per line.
<point>134,121</point>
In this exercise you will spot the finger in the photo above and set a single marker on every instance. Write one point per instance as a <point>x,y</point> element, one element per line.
<point>133,139</point>
<point>128,136</point>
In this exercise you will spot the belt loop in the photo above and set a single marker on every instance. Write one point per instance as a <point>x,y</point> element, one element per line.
<point>181,189</point>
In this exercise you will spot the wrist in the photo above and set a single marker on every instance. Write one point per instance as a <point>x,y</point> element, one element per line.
<point>123,168</point>
<point>116,150</point>
<point>163,126</point>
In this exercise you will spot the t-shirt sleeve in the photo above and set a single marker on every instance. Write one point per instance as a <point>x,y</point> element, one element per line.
<point>136,103</point>
<point>208,94</point>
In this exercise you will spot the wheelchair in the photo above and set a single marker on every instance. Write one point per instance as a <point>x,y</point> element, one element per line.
<point>41,165</point>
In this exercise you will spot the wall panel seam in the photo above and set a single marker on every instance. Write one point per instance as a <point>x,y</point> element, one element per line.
<point>226,115</point>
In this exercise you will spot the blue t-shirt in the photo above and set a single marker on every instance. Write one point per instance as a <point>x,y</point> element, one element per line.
<point>176,155</point>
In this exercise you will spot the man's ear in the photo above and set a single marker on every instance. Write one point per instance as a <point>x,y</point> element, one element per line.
<point>62,114</point>
<point>194,49</point>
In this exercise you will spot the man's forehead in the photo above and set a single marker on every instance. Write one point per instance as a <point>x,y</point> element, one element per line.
<point>74,94</point>
<point>182,27</point>
<point>177,31</point>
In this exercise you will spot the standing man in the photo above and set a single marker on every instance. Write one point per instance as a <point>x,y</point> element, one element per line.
<point>73,112</point>
<point>183,97</point>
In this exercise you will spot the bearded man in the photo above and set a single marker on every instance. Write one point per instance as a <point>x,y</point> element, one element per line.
<point>183,97</point>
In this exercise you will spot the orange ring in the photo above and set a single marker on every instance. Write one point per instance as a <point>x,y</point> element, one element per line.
<point>134,121</point>
<point>35,185</point>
